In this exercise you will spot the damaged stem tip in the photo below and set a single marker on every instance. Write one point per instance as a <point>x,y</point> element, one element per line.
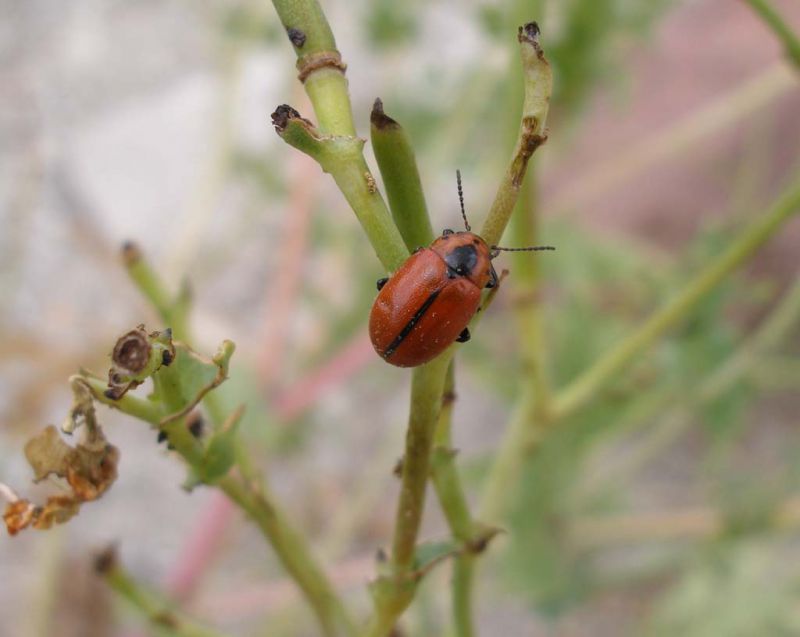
<point>131,253</point>
<point>282,116</point>
<point>106,560</point>
<point>529,32</point>
<point>379,119</point>
<point>132,351</point>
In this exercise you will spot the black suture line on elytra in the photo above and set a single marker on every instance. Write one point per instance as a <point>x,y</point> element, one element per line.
<point>410,325</point>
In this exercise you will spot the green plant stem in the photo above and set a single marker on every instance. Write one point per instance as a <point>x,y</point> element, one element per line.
<point>160,613</point>
<point>684,524</point>
<point>319,63</point>
<point>394,589</point>
<point>427,385</point>
<point>778,25</point>
<point>769,334</point>
<point>343,158</point>
<point>454,504</point>
<point>293,551</point>
<point>740,365</point>
<point>444,476</point>
<point>172,310</point>
<point>400,174</point>
<point>248,490</point>
<point>534,413</point>
<point>527,300</point>
<point>393,593</point>
<point>262,508</point>
<point>538,85</point>
<point>139,408</point>
<point>586,387</point>
<point>520,440</point>
<point>322,71</point>
<point>503,475</point>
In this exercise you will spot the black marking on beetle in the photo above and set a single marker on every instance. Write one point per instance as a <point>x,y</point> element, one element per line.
<point>462,260</point>
<point>493,281</point>
<point>410,325</point>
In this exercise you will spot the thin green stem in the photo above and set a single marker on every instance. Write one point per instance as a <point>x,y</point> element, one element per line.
<point>343,158</point>
<point>443,472</point>
<point>319,64</point>
<point>394,589</point>
<point>538,83</point>
<point>173,310</point>
<point>427,385</point>
<point>462,587</point>
<point>675,419</point>
<point>507,463</point>
<point>262,508</point>
<point>139,408</point>
<point>248,489</point>
<point>528,302</point>
<point>772,330</point>
<point>322,71</point>
<point>400,174</point>
<point>294,553</point>
<point>393,593</point>
<point>454,504</point>
<point>520,439</point>
<point>586,387</point>
<point>158,611</point>
<point>775,21</point>
<point>358,186</point>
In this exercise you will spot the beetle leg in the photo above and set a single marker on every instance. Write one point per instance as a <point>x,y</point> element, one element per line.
<point>381,283</point>
<point>464,336</point>
<point>447,232</point>
<point>492,282</point>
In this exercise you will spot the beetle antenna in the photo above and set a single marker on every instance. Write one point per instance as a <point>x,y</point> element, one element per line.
<point>497,249</point>
<point>461,201</point>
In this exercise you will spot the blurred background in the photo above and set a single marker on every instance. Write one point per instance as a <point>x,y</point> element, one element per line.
<point>652,512</point>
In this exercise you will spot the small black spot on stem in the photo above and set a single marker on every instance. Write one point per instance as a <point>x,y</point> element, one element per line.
<point>296,36</point>
<point>195,424</point>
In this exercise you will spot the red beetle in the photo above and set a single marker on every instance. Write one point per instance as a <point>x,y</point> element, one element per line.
<point>428,303</point>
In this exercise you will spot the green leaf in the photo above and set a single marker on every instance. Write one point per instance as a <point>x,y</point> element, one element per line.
<point>190,376</point>
<point>220,452</point>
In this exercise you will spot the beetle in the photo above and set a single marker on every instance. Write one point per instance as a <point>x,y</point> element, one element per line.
<point>428,302</point>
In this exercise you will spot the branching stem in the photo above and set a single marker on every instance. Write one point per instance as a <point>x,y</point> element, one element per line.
<point>520,439</point>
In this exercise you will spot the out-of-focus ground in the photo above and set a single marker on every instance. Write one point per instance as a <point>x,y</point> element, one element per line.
<point>111,119</point>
